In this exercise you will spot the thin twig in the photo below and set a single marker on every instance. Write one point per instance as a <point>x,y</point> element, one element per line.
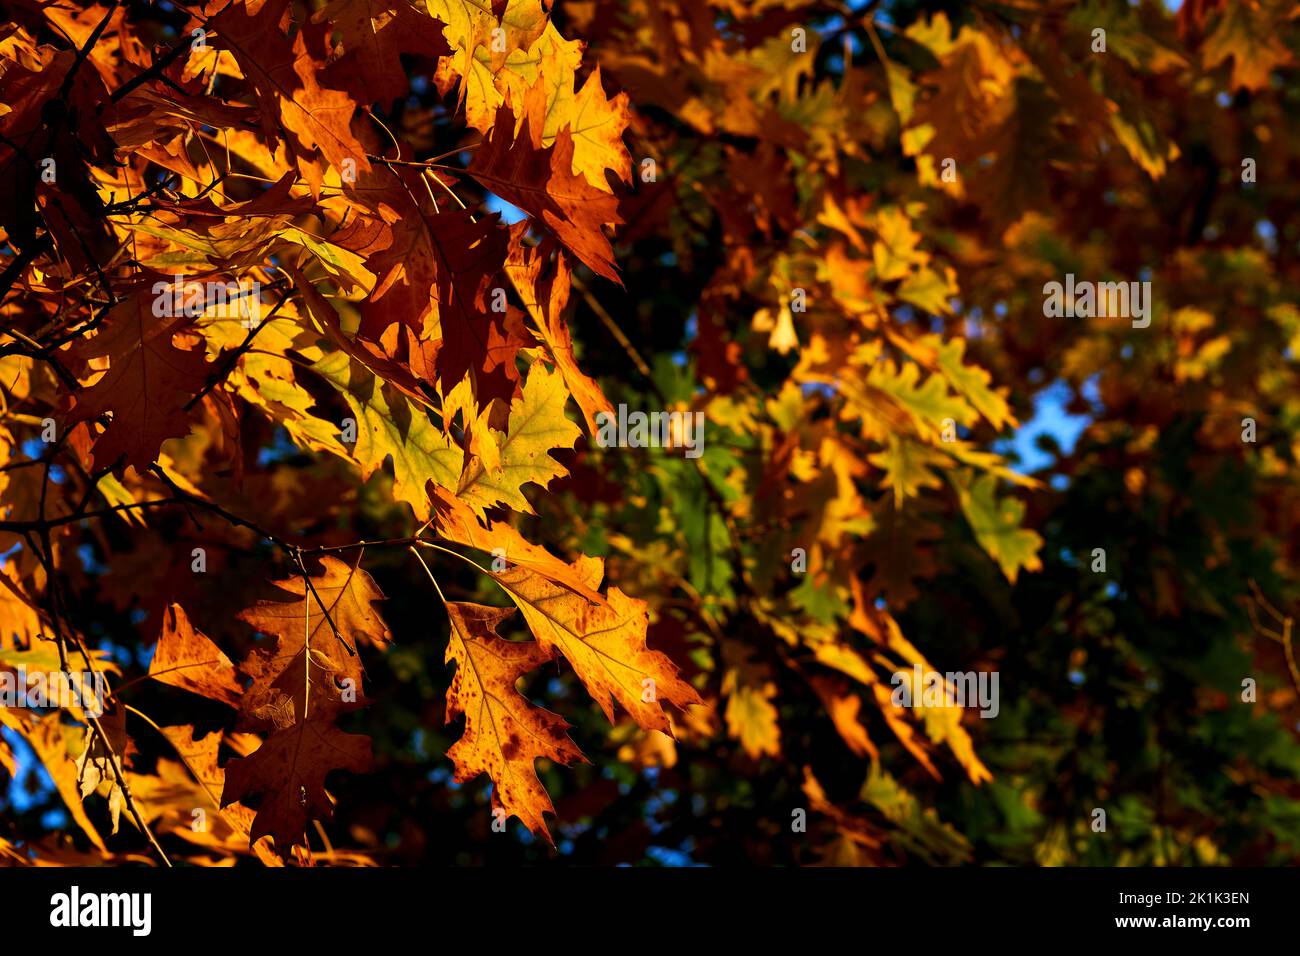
<point>228,366</point>
<point>1284,637</point>
<point>324,610</point>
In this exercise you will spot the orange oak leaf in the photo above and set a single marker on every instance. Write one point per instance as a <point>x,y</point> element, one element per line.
<point>455,521</point>
<point>842,708</point>
<point>284,76</point>
<point>605,643</point>
<point>19,615</point>
<point>226,828</point>
<point>433,267</point>
<point>187,659</point>
<point>299,688</point>
<point>311,673</point>
<point>146,388</point>
<point>545,300</point>
<point>504,733</point>
<point>288,774</point>
<point>540,180</point>
<point>374,33</point>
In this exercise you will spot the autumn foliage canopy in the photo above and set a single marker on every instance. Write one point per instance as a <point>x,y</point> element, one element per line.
<point>317,315</point>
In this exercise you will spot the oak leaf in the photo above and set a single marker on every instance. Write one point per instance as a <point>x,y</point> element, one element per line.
<point>300,687</point>
<point>146,388</point>
<point>456,521</point>
<point>540,180</point>
<point>390,424</point>
<point>996,523</point>
<point>196,783</point>
<point>504,733</point>
<point>288,774</point>
<point>103,756</point>
<point>433,267</point>
<point>605,644</point>
<point>374,33</point>
<point>187,659</point>
<point>317,632</point>
<point>545,300</point>
<point>537,425</point>
<point>1248,33</point>
<point>284,75</point>
<point>597,124</point>
<point>484,42</point>
<point>49,740</point>
<point>752,718</point>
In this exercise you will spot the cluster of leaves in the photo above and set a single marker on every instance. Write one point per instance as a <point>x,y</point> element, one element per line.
<point>240,147</point>
<point>832,231</point>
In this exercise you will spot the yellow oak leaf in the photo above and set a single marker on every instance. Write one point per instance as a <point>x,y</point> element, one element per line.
<point>928,404</point>
<point>537,425</point>
<point>996,523</point>
<point>390,424</point>
<point>970,381</point>
<point>751,719</point>
<point>48,738</point>
<point>482,46</point>
<point>907,464</point>
<point>597,124</point>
